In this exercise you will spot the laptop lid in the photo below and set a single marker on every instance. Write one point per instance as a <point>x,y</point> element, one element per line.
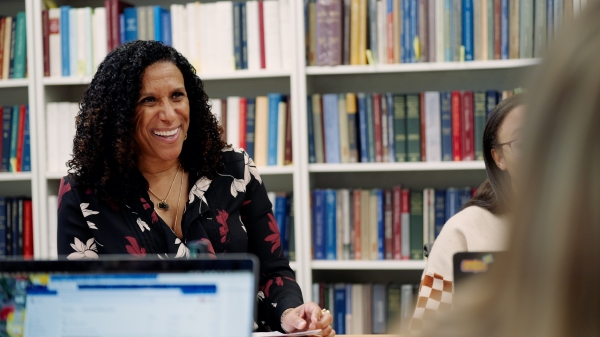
<point>123,297</point>
<point>468,264</point>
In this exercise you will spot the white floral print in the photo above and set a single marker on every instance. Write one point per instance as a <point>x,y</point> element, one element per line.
<point>143,225</point>
<point>183,251</point>
<point>91,225</point>
<point>84,251</point>
<point>86,212</point>
<point>237,185</point>
<point>260,296</point>
<point>250,169</point>
<point>199,189</point>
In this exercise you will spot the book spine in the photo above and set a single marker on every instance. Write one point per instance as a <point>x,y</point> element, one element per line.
<point>6,137</point>
<point>13,35</point>
<point>362,126</point>
<point>370,128</point>
<point>422,31</point>
<point>498,29</point>
<point>27,229</point>
<point>237,38</point>
<point>346,222</point>
<point>243,120</point>
<point>261,34</point>
<point>45,39</point>
<point>319,224</point>
<point>26,144</point>
<point>467,29</point>
<point>18,227</point>
<point>9,227</point>
<point>340,309</point>
<point>14,136</point>
<point>281,131</point>
<point>457,43</point>
<point>451,202</point>
<point>346,33</point>
<point>377,134</point>
<point>380,224</point>
<point>3,35</point>
<point>352,127</point>
<point>391,133</point>
<point>433,126</point>
<point>504,36</point>
<point>539,40</point>
<point>394,31</point>
<point>73,29</point>
<point>288,154</point>
<point>244,34</point>
<point>405,225</point>
<point>274,100</point>
<point>21,137</point>
<point>167,34</point>
<point>550,20</point>
<point>334,33</point>
<point>400,128</point>
<point>108,4</point>
<point>373,32</point>
<point>490,29</point>
<point>413,127</point>
<point>457,127</point>
<point>362,32</point>
<point>388,225</point>
<point>468,150</point>
<point>3,225</point>
<point>6,38</point>
<point>122,29</point>
<point>526,29</point>
<point>130,24</point>
<point>416,225</point>
<point>318,128</point>
<point>431,31</point>
<point>385,148</point>
<point>311,130</point>
<point>330,225</point>
<point>406,42</point>
<point>423,126</point>
<point>491,99</point>
<point>480,29</point>
<point>356,210</point>
<point>440,211</point>
<point>446,120</point>
<point>332,132</point>
<point>397,223</point>
<point>480,119</point>
<point>382,32</point>
<point>448,31</point>
<point>343,129</point>
<point>280,215</point>
<point>513,28</point>
<point>250,126</point>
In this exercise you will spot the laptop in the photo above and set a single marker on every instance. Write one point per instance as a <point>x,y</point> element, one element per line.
<point>122,297</point>
<point>469,264</point>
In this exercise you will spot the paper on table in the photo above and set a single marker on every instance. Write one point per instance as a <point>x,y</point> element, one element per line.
<point>279,334</point>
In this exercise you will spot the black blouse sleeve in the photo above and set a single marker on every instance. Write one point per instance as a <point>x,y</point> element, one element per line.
<point>276,282</point>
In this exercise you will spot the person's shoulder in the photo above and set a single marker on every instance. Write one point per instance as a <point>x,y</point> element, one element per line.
<point>468,217</point>
<point>234,161</point>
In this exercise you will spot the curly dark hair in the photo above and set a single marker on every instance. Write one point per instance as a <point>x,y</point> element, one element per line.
<point>104,151</point>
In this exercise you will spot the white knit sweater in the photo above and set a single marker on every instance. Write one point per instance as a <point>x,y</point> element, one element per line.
<point>471,230</point>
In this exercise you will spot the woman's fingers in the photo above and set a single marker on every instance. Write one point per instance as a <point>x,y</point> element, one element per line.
<point>328,332</point>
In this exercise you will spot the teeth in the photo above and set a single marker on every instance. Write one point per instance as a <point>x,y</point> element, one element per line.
<point>166,133</point>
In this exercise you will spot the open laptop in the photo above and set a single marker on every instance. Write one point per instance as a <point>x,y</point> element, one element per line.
<point>128,298</point>
<point>469,264</point>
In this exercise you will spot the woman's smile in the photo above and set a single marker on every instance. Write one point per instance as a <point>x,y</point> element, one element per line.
<point>167,135</point>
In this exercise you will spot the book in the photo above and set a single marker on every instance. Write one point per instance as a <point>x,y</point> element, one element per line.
<point>405,252</point>
<point>318,128</point>
<point>362,127</point>
<point>504,29</point>
<point>344,130</point>
<point>526,28</point>
<point>272,140</point>
<point>351,113</point>
<point>8,22</point>
<point>373,43</point>
<point>391,126</point>
<point>423,126</point>
<point>318,203</point>
<point>467,135</point>
<point>20,138</point>
<point>250,126</point>
<point>131,27</point>
<point>312,157</point>
<point>377,129</point>
<point>26,165</point>
<point>446,125</point>
<point>384,130</point>
<point>331,128</point>
<point>370,128</point>
<point>237,35</point>
<point>440,211</point>
<point>27,229</point>
<point>380,204</point>
<point>3,227</point>
<point>20,46</point>
<point>379,309</point>
<point>233,121</point>
<point>433,126</point>
<point>540,27</point>
<point>243,111</point>
<point>271,33</point>
<point>400,142</point>
<point>281,127</point>
<point>99,32</point>
<point>362,32</point>
<point>330,225</point>
<point>356,224</point>
<point>14,138</point>
<point>388,225</point>
<point>244,34</point>
<point>416,225</point>
<point>514,30</point>
<point>344,224</point>
<point>413,126</point>
<point>457,126</point>
<point>288,151</point>
<point>253,43</point>
<point>340,308</point>
<point>346,32</point>
<point>457,43</point>
<point>480,119</point>
<point>467,30</point>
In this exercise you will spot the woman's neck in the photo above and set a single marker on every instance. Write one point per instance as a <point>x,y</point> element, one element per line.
<point>154,170</point>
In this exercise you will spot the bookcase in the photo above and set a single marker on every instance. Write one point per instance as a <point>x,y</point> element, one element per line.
<point>301,177</point>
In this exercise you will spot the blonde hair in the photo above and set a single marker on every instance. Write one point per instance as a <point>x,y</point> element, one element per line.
<point>548,285</point>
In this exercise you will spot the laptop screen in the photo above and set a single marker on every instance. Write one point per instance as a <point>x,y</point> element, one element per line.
<point>128,304</point>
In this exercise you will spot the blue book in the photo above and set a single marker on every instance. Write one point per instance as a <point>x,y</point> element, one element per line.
<point>158,27</point>
<point>9,227</point>
<point>14,138</point>
<point>348,302</point>
<point>318,224</point>
<point>406,43</point>
<point>370,128</point>
<point>372,23</point>
<point>380,224</point>
<point>467,29</point>
<point>244,36</point>
<point>237,34</point>
<point>446,121</point>
<point>362,128</point>
<point>3,224</point>
<point>26,144</point>
<point>121,28</point>
<point>13,35</point>
<point>440,211</point>
<point>491,100</point>
<point>280,205</point>
<point>464,196</point>
<point>312,156</point>
<point>250,125</point>
<point>15,227</point>
<point>414,28</point>
<point>64,40</point>
<point>167,36</point>
<point>287,227</point>
<point>452,203</point>
<point>274,100</point>
<point>390,106</point>
<point>6,129</point>
<point>331,122</point>
<point>330,224</point>
<point>20,46</point>
<point>504,30</point>
<point>550,20</point>
<point>340,309</point>
<point>131,24</point>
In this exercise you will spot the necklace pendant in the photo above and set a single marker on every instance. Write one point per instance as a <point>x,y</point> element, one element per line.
<point>163,205</point>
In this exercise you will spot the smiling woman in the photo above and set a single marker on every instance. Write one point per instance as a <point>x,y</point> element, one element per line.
<point>150,175</point>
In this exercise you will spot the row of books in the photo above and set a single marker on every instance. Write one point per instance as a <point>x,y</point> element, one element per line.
<point>359,32</point>
<point>15,143</point>
<point>261,125</point>
<point>60,131</point>
<point>16,227</point>
<point>13,46</point>
<point>283,211</point>
<point>215,37</point>
<point>359,309</point>
<point>430,126</point>
<point>378,224</point>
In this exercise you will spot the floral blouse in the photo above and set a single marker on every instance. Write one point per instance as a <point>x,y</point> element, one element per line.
<point>231,214</point>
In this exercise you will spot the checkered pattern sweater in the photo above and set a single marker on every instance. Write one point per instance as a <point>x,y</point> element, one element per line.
<point>472,229</point>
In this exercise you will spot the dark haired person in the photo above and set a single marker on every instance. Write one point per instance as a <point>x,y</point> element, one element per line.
<point>482,224</point>
<point>150,175</point>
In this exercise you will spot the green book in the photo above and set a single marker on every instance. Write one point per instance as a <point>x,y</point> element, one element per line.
<point>394,297</point>
<point>20,46</point>
<point>400,128</point>
<point>370,128</point>
<point>416,225</point>
<point>480,118</point>
<point>413,127</point>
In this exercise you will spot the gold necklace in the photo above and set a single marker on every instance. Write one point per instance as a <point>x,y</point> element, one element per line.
<point>178,200</point>
<point>162,203</point>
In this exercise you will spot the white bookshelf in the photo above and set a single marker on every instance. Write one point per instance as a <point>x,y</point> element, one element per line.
<point>299,81</point>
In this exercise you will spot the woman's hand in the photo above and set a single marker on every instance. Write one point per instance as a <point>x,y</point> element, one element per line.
<point>306,317</point>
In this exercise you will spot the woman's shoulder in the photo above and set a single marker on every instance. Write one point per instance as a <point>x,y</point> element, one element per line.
<point>470,216</point>
<point>234,161</point>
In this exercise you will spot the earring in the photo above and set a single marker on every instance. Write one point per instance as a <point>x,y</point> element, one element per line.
<point>185,136</point>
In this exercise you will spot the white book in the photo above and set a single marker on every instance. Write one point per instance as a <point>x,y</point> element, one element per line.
<point>349,319</point>
<point>64,134</point>
<point>281,133</point>
<point>426,218</point>
<point>346,237</point>
<point>52,226</point>
<point>203,36</point>
<point>285,35</point>
<point>54,43</point>
<point>382,32</point>
<point>7,38</point>
<point>261,130</point>
<point>73,40</point>
<point>233,121</point>
<point>405,229</point>
<point>272,39</point>
<point>193,14</point>
<point>484,28</point>
<point>439,30</point>
<point>89,54</point>
<point>183,31</point>
<point>81,42</point>
<point>223,26</point>
<point>272,196</point>
<point>433,133</point>
<point>253,36</point>
<point>142,23</point>
<point>576,7</point>
<point>99,36</point>
<point>316,293</point>
<point>175,34</point>
<point>343,122</point>
<point>73,111</point>
<point>216,108</point>
<point>358,309</point>
<point>406,305</point>
<point>52,142</point>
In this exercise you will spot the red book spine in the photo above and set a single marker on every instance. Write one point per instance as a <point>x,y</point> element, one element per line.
<point>21,137</point>
<point>497,29</point>
<point>357,235</point>
<point>468,135</point>
<point>243,114</point>
<point>261,33</point>
<point>390,37</point>
<point>108,6</point>
<point>405,213</point>
<point>27,229</point>
<point>397,222</point>
<point>287,159</point>
<point>224,118</point>
<point>389,252</point>
<point>377,127</point>
<point>46,38</point>
<point>423,127</point>
<point>456,127</point>
<point>2,34</point>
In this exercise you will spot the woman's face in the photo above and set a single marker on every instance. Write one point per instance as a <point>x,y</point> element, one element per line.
<point>507,156</point>
<point>162,113</point>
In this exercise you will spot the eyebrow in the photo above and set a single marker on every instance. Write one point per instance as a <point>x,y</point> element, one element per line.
<point>146,94</point>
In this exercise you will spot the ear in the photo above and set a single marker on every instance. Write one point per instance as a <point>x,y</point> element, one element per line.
<point>499,159</point>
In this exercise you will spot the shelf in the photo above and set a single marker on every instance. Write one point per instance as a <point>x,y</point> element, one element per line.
<point>392,167</point>
<point>19,176</point>
<point>421,67</point>
<point>234,75</point>
<point>368,265</point>
<point>14,83</point>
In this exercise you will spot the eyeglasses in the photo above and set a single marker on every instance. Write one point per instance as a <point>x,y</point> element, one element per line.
<point>516,147</point>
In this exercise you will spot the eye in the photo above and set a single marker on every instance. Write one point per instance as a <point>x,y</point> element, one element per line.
<point>149,99</point>
<point>178,94</point>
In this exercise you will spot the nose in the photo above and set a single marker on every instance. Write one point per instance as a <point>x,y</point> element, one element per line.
<point>167,113</point>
